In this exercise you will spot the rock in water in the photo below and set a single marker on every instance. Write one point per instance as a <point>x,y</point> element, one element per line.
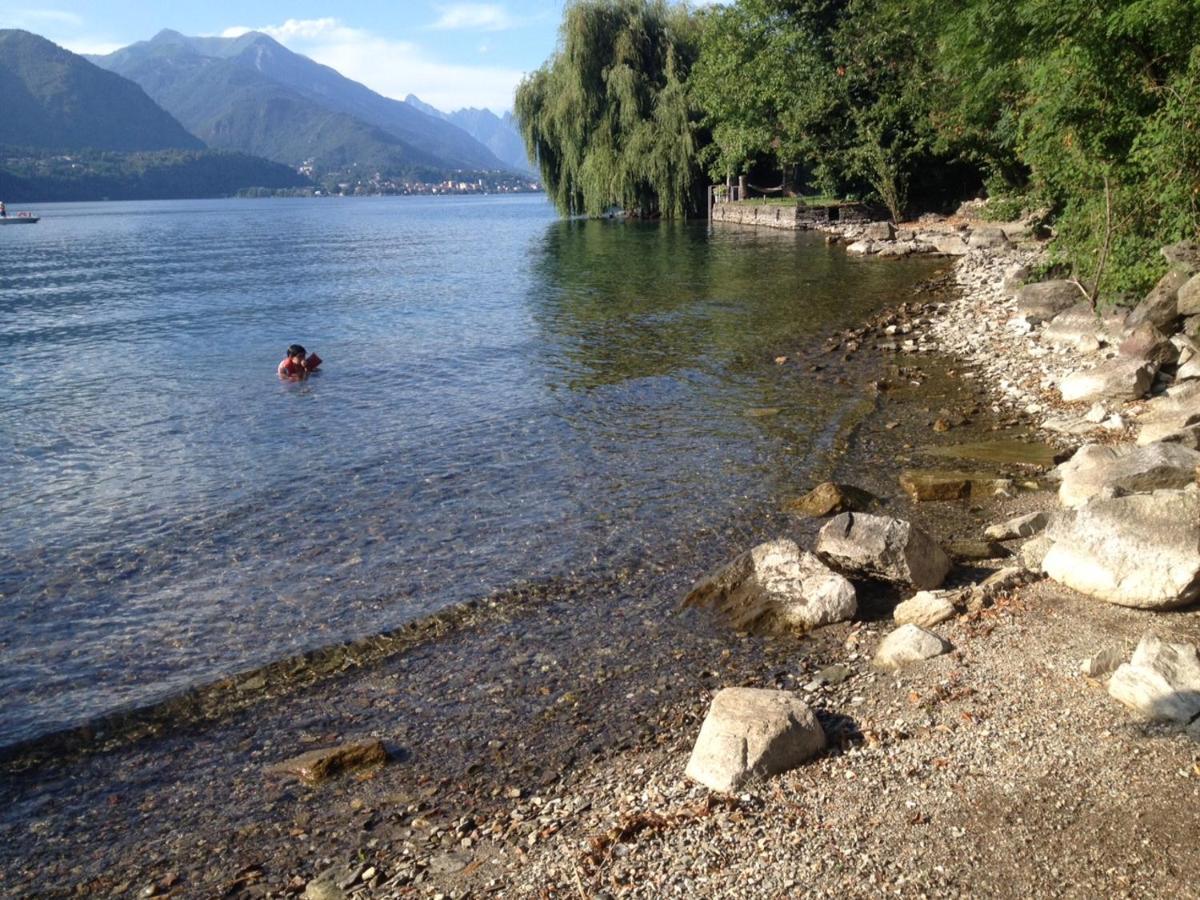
<point>908,644</point>
<point>777,583</point>
<point>829,499</point>
<point>1162,681</point>
<point>883,548</point>
<point>753,733</point>
<point>319,765</point>
<point>1096,468</point>
<point>1141,551</point>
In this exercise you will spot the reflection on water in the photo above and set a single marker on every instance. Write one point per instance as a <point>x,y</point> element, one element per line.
<point>505,396</point>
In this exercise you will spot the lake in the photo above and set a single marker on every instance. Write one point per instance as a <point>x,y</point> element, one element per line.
<point>506,396</point>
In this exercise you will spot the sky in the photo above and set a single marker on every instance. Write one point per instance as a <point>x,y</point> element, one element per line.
<point>449,54</point>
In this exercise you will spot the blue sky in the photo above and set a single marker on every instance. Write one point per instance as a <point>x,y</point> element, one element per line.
<point>449,54</point>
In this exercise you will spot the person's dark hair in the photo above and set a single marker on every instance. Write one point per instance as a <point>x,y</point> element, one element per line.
<point>295,350</point>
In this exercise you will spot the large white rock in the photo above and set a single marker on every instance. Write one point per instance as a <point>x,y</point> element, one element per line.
<point>1162,681</point>
<point>908,644</point>
<point>1121,378</point>
<point>752,733</point>
<point>1124,468</point>
<point>777,583</point>
<point>1046,299</point>
<point>1169,412</point>
<point>1080,327</point>
<point>883,548</point>
<point>1141,551</point>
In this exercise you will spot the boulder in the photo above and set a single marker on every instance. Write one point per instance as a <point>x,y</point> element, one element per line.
<point>988,238</point>
<point>1149,344</point>
<point>1107,660</point>
<point>1020,527</point>
<point>1169,412</point>
<point>1082,328</point>
<point>776,583</point>
<point>1161,306</point>
<point>883,548</point>
<point>752,733</point>
<point>879,231</point>
<point>1184,256</point>
<point>945,242</point>
<point>829,499</point>
<point>1124,468</point>
<point>862,248</point>
<point>1187,301</point>
<point>1121,378</point>
<point>925,608</point>
<point>1162,681</point>
<point>1141,551</point>
<point>1046,299</point>
<point>316,766</point>
<point>1188,436</point>
<point>908,644</point>
<point>1033,553</point>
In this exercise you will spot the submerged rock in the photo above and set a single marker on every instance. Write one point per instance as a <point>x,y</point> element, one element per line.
<point>883,548</point>
<point>925,485</point>
<point>320,765</point>
<point>752,733</point>
<point>776,583</point>
<point>1141,551</point>
<point>1162,681</point>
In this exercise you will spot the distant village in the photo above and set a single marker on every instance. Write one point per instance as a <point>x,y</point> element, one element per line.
<point>379,184</point>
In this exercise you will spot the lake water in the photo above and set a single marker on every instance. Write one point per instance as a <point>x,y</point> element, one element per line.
<point>505,396</point>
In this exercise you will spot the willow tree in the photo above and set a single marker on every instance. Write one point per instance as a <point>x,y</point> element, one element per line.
<point>609,117</point>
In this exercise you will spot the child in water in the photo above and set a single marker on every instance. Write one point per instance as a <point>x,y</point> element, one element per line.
<point>298,364</point>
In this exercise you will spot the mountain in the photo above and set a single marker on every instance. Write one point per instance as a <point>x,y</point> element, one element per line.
<point>56,100</point>
<point>499,134</point>
<point>252,94</point>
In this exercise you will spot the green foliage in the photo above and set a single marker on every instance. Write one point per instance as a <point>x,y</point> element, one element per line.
<point>609,117</point>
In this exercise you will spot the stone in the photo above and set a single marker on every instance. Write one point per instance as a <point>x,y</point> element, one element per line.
<point>1149,344</point>
<point>1019,527</point>
<point>1033,553</point>
<point>908,644</point>
<point>925,608</point>
<point>835,674</point>
<point>1124,468</point>
<point>1162,681</point>
<point>998,584</point>
<point>325,886</point>
<point>1107,660</point>
<point>1080,327</point>
<point>1184,255</point>
<point>883,548</point>
<point>1169,412</point>
<point>1191,327</point>
<point>937,484</point>
<point>1014,279</point>
<point>1187,301</point>
<point>1046,299</point>
<point>776,584</point>
<point>945,242</point>
<point>988,238</point>
<point>316,766</point>
<point>829,499</point>
<point>967,551</point>
<point>1161,306</point>
<point>753,733</point>
<point>862,248</point>
<point>1123,378</point>
<point>1188,436</point>
<point>879,231</point>
<point>1140,551</point>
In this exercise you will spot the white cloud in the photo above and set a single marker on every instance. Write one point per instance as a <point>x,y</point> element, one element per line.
<point>394,68</point>
<point>90,47</point>
<point>32,18</point>
<point>474,17</point>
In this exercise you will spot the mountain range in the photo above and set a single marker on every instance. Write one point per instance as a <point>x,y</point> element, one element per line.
<point>500,134</point>
<point>252,94</point>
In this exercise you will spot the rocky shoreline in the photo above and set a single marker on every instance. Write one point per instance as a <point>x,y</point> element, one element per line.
<point>544,752</point>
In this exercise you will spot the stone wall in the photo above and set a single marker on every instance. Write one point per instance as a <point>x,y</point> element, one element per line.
<point>778,215</point>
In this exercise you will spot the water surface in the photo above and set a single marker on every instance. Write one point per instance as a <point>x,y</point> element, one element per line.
<point>505,396</point>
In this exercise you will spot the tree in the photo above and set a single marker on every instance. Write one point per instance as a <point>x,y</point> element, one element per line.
<point>609,117</point>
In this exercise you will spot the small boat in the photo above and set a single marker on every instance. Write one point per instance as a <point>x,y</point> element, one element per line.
<point>21,218</point>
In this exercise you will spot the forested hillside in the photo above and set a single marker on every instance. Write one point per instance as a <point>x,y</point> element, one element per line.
<point>1087,110</point>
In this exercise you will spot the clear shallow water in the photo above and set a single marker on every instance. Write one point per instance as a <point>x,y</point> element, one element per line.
<point>505,396</point>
